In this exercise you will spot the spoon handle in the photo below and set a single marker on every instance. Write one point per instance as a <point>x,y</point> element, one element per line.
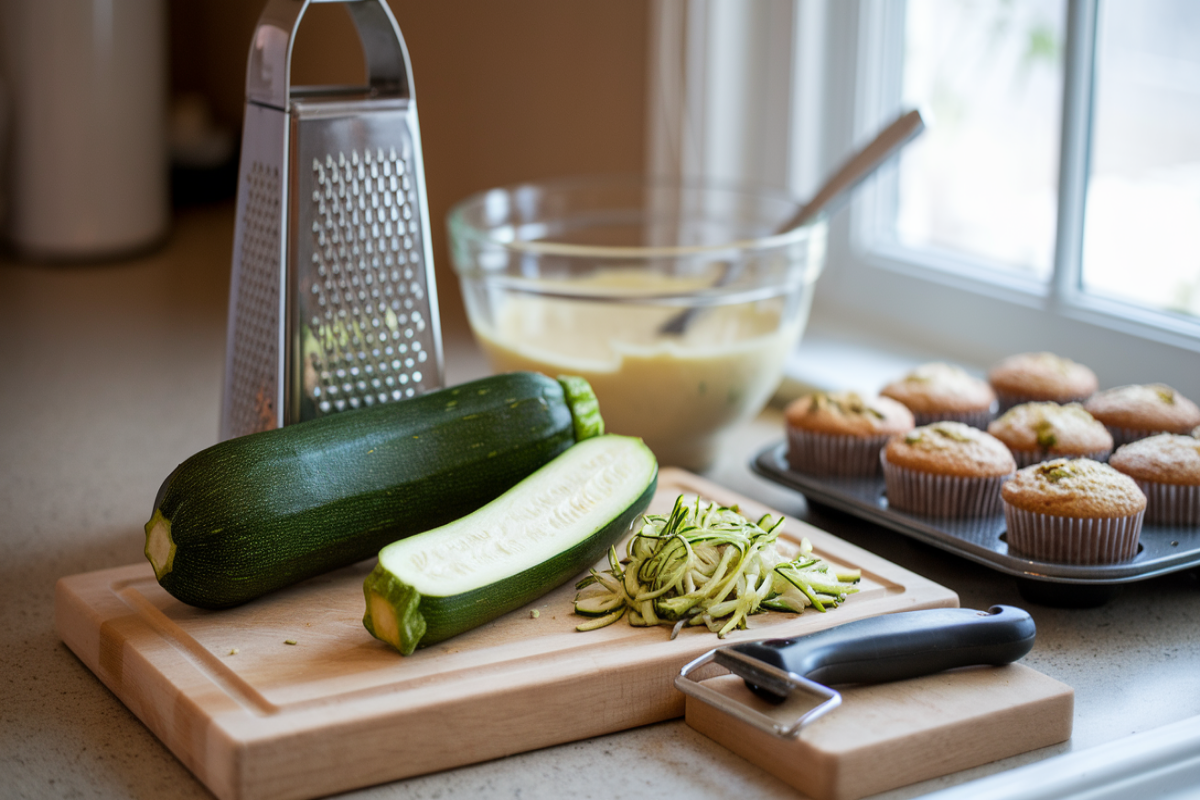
<point>862,164</point>
<point>835,190</point>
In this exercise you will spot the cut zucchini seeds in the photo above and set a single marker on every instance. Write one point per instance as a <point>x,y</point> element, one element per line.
<point>707,565</point>
<point>536,536</point>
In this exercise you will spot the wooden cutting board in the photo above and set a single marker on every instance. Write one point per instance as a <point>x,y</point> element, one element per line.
<point>892,734</point>
<point>289,697</point>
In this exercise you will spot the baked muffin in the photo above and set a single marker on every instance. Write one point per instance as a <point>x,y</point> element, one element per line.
<point>1031,377</point>
<point>1074,511</point>
<point>1037,432</point>
<point>841,433</point>
<point>1135,412</point>
<point>1166,468</point>
<point>939,391</point>
<point>946,469</point>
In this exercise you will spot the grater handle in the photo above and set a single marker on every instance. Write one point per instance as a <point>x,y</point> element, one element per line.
<point>268,76</point>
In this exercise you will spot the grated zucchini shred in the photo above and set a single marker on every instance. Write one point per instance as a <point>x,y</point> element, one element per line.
<point>705,564</point>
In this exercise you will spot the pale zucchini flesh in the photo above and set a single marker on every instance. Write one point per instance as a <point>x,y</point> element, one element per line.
<point>545,530</point>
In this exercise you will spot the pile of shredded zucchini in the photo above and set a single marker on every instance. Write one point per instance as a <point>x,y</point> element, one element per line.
<point>707,565</point>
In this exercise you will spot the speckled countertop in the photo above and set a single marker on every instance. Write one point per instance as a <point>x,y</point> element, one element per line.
<point>112,376</point>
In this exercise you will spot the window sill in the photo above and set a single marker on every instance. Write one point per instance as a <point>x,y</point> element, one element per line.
<point>828,359</point>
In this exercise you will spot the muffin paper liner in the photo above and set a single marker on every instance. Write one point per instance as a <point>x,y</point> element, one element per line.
<point>1072,540</point>
<point>976,419</point>
<point>1026,458</point>
<point>1171,504</point>
<point>1008,400</point>
<point>834,454</point>
<point>932,495</point>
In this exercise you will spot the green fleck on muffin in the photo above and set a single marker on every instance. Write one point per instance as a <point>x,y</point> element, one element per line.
<point>1046,437</point>
<point>1054,472</point>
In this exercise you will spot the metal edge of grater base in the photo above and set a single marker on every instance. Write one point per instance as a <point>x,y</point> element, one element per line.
<point>333,300</point>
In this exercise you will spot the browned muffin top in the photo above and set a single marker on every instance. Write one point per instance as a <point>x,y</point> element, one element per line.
<point>1076,487</point>
<point>938,387</point>
<point>1165,458</point>
<point>1144,407</point>
<point>1043,376</point>
<point>1068,430</point>
<point>950,448</point>
<point>848,413</point>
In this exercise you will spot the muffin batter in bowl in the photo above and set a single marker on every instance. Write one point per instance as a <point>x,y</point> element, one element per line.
<point>675,391</point>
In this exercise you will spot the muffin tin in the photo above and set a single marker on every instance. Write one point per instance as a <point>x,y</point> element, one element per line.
<point>1161,550</point>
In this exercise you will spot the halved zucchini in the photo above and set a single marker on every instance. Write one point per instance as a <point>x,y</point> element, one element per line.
<point>534,537</point>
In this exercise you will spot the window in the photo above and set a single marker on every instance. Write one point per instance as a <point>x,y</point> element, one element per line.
<point>1054,204</point>
<point>1143,195</point>
<point>981,184</point>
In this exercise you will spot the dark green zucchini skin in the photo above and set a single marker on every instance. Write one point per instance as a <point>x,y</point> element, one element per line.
<point>260,512</point>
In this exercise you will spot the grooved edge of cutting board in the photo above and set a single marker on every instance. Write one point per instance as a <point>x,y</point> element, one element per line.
<point>254,717</point>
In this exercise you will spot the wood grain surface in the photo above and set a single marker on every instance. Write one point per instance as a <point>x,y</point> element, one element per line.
<point>893,734</point>
<point>254,716</point>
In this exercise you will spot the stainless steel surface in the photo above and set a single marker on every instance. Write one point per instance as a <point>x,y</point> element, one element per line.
<point>1162,549</point>
<point>268,75</point>
<point>255,338</point>
<point>748,668</point>
<point>333,303</point>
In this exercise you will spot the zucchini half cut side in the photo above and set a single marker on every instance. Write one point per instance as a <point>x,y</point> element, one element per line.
<point>542,532</point>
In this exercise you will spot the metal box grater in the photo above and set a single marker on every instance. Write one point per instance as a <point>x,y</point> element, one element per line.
<point>333,303</point>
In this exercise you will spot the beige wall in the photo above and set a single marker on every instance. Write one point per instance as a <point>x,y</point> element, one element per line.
<point>508,90</point>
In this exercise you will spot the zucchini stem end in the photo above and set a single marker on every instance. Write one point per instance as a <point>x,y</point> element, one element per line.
<point>393,611</point>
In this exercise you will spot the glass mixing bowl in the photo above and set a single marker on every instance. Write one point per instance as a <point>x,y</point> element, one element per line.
<point>678,302</point>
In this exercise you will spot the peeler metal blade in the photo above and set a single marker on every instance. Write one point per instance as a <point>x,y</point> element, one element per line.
<point>758,673</point>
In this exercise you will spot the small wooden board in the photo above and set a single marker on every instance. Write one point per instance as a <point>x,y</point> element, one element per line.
<point>893,734</point>
<point>255,717</point>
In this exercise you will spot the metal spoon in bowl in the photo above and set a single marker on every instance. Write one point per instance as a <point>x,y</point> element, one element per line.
<point>834,192</point>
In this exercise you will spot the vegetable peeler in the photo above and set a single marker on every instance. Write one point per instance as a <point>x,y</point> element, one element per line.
<point>890,647</point>
<point>332,301</point>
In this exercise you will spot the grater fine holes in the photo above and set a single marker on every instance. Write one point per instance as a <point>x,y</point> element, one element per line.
<point>253,385</point>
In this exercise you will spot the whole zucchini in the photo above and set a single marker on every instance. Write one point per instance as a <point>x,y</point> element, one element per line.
<point>542,532</point>
<point>259,512</point>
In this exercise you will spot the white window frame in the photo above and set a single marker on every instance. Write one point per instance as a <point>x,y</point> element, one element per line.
<point>778,92</point>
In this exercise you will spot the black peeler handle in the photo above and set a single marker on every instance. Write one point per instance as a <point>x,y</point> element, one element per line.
<point>903,645</point>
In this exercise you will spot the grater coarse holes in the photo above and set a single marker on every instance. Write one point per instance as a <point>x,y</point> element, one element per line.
<point>366,300</point>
